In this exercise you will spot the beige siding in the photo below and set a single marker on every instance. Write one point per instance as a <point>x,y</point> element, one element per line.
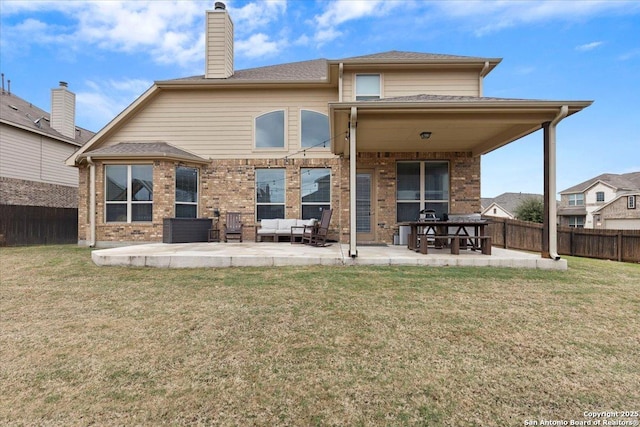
<point>219,45</point>
<point>432,82</point>
<point>220,123</point>
<point>63,111</point>
<point>29,156</point>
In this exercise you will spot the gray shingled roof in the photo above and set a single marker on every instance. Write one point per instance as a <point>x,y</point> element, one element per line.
<point>445,98</point>
<point>626,181</point>
<point>316,70</point>
<point>143,149</point>
<point>395,56</point>
<point>510,201</point>
<point>15,110</point>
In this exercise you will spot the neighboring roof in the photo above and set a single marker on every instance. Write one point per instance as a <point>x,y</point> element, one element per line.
<point>400,56</point>
<point>510,201</point>
<point>18,112</point>
<point>142,150</point>
<point>626,181</point>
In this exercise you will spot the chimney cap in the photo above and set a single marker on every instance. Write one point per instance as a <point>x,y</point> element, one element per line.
<point>64,84</point>
<point>219,6</point>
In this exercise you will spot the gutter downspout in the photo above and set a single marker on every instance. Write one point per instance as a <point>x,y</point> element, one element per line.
<point>353,249</point>
<point>92,202</point>
<point>483,72</point>
<point>551,196</point>
<point>340,74</point>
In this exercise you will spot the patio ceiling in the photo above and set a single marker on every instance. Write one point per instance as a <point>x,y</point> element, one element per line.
<point>476,125</point>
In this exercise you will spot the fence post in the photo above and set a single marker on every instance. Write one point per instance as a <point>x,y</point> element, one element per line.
<point>571,250</point>
<point>504,232</point>
<point>620,246</point>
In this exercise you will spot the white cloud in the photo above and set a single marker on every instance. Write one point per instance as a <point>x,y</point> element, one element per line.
<point>257,15</point>
<point>106,99</point>
<point>589,46</point>
<point>258,45</point>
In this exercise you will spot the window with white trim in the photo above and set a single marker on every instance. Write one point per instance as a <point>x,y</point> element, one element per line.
<point>421,185</point>
<point>270,193</point>
<point>269,130</point>
<point>631,202</point>
<point>315,191</point>
<point>576,221</point>
<point>128,193</point>
<point>368,87</point>
<point>186,192</point>
<point>576,199</point>
<point>599,196</point>
<point>314,129</point>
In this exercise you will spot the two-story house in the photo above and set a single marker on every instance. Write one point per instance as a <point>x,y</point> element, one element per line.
<point>605,201</point>
<point>34,146</point>
<point>383,136</point>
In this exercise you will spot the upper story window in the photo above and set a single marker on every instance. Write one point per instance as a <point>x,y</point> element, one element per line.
<point>368,87</point>
<point>128,193</point>
<point>600,196</point>
<point>315,129</point>
<point>270,130</point>
<point>576,199</point>
<point>186,192</point>
<point>631,202</point>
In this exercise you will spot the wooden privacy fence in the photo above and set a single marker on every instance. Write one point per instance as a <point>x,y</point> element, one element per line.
<point>617,245</point>
<point>37,225</point>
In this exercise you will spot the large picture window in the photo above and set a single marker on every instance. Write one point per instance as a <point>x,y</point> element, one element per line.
<point>367,87</point>
<point>421,185</point>
<point>270,130</point>
<point>129,193</point>
<point>315,191</point>
<point>315,129</point>
<point>186,192</point>
<point>270,192</point>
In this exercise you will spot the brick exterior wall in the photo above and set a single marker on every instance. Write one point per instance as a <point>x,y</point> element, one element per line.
<point>32,193</point>
<point>229,185</point>
<point>618,210</point>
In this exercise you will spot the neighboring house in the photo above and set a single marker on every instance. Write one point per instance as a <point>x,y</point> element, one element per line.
<point>377,138</point>
<point>605,201</point>
<point>34,146</point>
<point>506,204</point>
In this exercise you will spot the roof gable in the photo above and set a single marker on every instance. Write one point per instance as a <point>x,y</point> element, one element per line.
<point>628,181</point>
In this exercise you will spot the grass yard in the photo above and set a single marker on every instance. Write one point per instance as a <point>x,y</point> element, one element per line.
<point>87,345</point>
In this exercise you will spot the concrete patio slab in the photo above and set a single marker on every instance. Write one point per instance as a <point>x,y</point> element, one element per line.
<point>250,254</point>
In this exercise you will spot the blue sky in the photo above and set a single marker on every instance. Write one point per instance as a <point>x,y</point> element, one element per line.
<point>110,52</point>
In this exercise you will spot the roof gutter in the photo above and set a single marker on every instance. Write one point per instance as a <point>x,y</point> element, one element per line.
<point>483,72</point>
<point>551,194</point>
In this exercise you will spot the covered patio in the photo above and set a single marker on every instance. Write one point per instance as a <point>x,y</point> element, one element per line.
<point>448,124</point>
<point>251,254</point>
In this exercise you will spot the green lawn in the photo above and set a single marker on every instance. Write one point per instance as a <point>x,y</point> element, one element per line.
<point>87,345</point>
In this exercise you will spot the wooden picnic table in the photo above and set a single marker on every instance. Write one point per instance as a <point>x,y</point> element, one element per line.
<point>442,231</point>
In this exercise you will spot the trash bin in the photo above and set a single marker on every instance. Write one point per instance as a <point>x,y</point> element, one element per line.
<point>404,231</point>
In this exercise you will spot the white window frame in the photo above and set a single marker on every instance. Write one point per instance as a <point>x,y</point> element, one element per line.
<point>367,96</point>
<point>631,202</point>
<point>328,140</point>
<point>575,198</point>
<point>129,202</point>
<point>284,131</point>
<point>574,223</point>
<point>302,203</point>
<point>176,202</point>
<point>599,194</point>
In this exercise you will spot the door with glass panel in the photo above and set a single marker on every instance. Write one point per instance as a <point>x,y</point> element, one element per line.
<point>365,206</point>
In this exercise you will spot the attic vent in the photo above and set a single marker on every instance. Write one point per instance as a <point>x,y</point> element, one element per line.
<point>13,107</point>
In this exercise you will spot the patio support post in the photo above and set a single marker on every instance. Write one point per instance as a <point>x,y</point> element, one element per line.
<point>549,225</point>
<point>353,249</point>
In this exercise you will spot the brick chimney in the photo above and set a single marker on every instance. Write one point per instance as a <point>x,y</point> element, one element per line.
<point>219,43</point>
<point>63,111</point>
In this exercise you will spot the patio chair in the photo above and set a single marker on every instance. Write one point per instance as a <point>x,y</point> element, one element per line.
<point>233,226</point>
<point>316,235</point>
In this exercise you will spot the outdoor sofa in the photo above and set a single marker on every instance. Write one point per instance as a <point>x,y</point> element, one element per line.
<point>277,228</point>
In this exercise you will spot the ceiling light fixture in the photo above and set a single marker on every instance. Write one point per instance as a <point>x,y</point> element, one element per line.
<point>425,135</point>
